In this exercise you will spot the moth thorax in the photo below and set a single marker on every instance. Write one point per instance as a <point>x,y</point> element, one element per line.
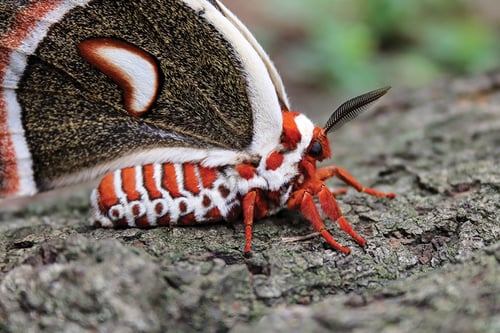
<point>297,130</point>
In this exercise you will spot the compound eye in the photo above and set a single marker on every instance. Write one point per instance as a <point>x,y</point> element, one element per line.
<point>316,149</point>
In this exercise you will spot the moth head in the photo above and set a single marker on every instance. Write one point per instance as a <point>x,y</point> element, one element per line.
<point>319,148</point>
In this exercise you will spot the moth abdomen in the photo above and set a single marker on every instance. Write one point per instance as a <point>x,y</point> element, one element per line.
<point>164,194</point>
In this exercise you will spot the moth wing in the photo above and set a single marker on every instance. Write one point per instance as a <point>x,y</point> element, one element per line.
<point>64,119</point>
<point>273,72</point>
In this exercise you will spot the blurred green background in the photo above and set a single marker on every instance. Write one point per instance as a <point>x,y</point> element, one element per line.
<point>349,46</point>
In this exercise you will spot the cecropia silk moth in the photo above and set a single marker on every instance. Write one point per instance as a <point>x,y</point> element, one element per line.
<point>172,102</point>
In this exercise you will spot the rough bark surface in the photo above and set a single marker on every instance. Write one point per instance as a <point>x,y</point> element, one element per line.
<point>432,263</point>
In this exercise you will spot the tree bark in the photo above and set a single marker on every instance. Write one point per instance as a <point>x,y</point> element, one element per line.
<point>431,263</point>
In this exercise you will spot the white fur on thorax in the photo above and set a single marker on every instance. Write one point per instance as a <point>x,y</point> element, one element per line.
<point>274,180</point>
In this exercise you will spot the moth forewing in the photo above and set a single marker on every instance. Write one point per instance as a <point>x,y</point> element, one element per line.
<point>79,114</point>
<point>273,72</point>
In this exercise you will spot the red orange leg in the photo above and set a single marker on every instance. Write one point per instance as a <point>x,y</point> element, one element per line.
<point>332,210</point>
<point>295,199</point>
<point>310,211</point>
<point>325,172</point>
<point>339,191</point>
<point>248,217</point>
<point>346,177</point>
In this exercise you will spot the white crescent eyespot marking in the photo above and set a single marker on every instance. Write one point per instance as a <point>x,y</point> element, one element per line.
<point>134,70</point>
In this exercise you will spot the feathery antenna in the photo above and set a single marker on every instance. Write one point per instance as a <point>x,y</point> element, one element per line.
<point>352,108</point>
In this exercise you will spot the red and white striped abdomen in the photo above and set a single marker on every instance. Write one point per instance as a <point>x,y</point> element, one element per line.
<point>164,194</point>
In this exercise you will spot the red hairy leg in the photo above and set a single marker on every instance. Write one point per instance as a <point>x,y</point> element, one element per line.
<point>254,206</point>
<point>339,191</point>
<point>305,201</point>
<point>322,174</point>
<point>332,210</point>
<point>342,174</point>
<point>248,217</point>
